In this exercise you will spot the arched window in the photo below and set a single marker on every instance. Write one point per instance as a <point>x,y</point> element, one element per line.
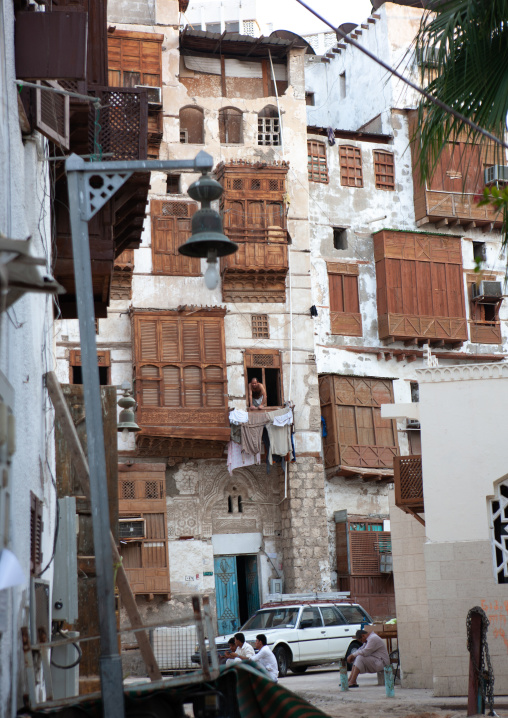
<point>230,126</point>
<point>268,126</point>
<point>192,129</point>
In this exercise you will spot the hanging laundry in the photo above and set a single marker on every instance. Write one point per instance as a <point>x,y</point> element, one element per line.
<point>236,433</point>
<point>331,136</point>
<point>324,432</point>
<point>237,459</point>
<point>237,416</point>
<point>252,432</point>
<point>279,436</point>
<point>284,419</point>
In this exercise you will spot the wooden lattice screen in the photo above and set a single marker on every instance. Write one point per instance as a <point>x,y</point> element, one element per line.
<point>408,483</point>
<point>121,123</point>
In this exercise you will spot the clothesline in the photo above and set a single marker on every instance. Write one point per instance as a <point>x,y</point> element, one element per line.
<point>251,430</point>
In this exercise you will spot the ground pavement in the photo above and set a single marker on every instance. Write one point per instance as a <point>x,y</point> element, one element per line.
<point>321,688</point>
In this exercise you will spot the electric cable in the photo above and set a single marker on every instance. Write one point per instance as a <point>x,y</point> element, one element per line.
<point>71,665</point>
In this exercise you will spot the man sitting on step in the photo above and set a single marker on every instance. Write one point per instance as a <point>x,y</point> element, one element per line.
<point>372,658</point>
<point>242,650</point>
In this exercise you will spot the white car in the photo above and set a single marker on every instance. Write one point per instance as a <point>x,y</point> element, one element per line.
<point>303,634</point>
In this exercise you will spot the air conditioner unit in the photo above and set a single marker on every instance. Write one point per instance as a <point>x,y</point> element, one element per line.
<point>131,529</point>
<point>495,174</point>
<point>412,424</point>
<point>276,585</point>
<point>386,563</point>
<point>154,94</point>
<point>489,290</point>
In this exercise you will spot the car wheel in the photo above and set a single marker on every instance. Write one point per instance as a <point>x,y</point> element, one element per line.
<point>299,669</point>
<point>353,646</point>
<point>282,658</point>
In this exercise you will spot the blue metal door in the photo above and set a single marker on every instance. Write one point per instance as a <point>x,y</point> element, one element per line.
<point>251,579</point>
<point>226,593</point>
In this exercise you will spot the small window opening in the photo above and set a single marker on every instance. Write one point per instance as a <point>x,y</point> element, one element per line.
<point>173,184</point>
<point>77,375</point>
<point>260,326</point>
<point>342,85</point>
<point>479,252</point>
<point>230,505</point>
<point>240,505</point>
<point>271,380</point>
<point>232,27</point>
<point>415,392</point>
<point>340,238</point>
<point>310,99</point>
<point>490,312</point>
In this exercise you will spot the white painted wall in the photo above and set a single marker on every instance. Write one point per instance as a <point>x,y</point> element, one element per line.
<point>462,411</point>
<point>26,348</point>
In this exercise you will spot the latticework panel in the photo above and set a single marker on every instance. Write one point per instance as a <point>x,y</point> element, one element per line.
<point>120,125</point>
<point>128,490</point>
<point>408,482</point>
<point>262,360</point>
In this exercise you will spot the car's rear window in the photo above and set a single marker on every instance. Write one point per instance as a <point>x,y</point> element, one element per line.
<point>272,618</point>
<point>354,614</point>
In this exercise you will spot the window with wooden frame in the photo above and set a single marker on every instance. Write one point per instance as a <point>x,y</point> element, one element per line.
<point>357,436</point>
<point>134,58</point>
<point>36,529</point>
<point>103,360</point>
<point>260,326</point>
<point>171,227</point>
<point>265,365</point>
<point>351,173</point>
<point>345,317</point>
<point>192,125</point>
<point>484,326</point>
<point>316,162</point>
<point>269,126</point>
<point>384,170</point>
<point>180,372</point>
<point>230,126</point>
<point>143,529</point>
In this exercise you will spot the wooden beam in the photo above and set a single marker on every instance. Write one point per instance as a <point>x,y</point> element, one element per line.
<point>423,221</point>
<point>416,516</point>
<point>371,20</point>
<point>223,75</point>
<point>453,222</point>
<point>487,227</point>
<point>365,27</point>
<point>469,225</point>
<point>411,342</point>
<point>401,357</point>
<point>441,223</point>
<point>80,463</point>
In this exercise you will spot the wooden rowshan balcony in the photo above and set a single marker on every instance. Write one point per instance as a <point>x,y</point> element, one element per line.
<point>408,479</point>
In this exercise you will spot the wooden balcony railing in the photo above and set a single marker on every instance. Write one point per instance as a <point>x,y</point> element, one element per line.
<point>409,484</point>
<point>257,256</point>
<point>455,207</point>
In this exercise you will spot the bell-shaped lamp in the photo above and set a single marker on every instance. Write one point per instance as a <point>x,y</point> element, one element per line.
<point>126,420</point>
<point>207,240</point>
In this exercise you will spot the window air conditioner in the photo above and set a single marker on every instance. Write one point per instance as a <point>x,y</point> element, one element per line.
<point>386,563</point>
<point>154,94</point>
<point>412,424</point>
<point>131,529</point>
<point>488,290</point>
<point>496,173</point>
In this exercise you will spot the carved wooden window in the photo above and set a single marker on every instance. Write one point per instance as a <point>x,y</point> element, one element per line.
<point>384,170</point>
<point>357,435</point>
<point>180,362</point>
<point>345,317</point>
<point>143,530</point>
<point>103,360</point>
<point>361,542</point>
<point>351,173</point>
<point>269,126</point>
<point>485,326</point>
<point>134,58</point>
<point>420,290</point>
<point>265,365</point>
<point>230,126</point>
<point>192,128</point>
<point>171,227</point>
<point>317,167</point>
<point>36,528</point>
<point>260,326</point>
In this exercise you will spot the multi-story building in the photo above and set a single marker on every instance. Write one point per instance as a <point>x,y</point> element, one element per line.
<point>395,273</point>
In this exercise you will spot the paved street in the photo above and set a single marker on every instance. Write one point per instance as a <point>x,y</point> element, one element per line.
<point>321,688</point>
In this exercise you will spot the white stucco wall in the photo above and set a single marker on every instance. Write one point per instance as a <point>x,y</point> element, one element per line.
<point>26,349</point>
<point>462,411</point>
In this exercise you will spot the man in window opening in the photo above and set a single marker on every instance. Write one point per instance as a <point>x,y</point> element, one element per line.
<point>257,396</point>
<point>372,658</point>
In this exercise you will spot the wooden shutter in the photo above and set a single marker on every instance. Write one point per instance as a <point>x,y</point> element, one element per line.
<point>36,529</point>
<point>384,170</point>
<point>317,166</point>
<point>342,549</point>
<point>357,436</point>
<point>171,227</point>
<point>345,317</point>
<point>364,551</point>
<point>351,173</point>
<point>135,58</point>
<point>192,122</point>
<point>419,286</point>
